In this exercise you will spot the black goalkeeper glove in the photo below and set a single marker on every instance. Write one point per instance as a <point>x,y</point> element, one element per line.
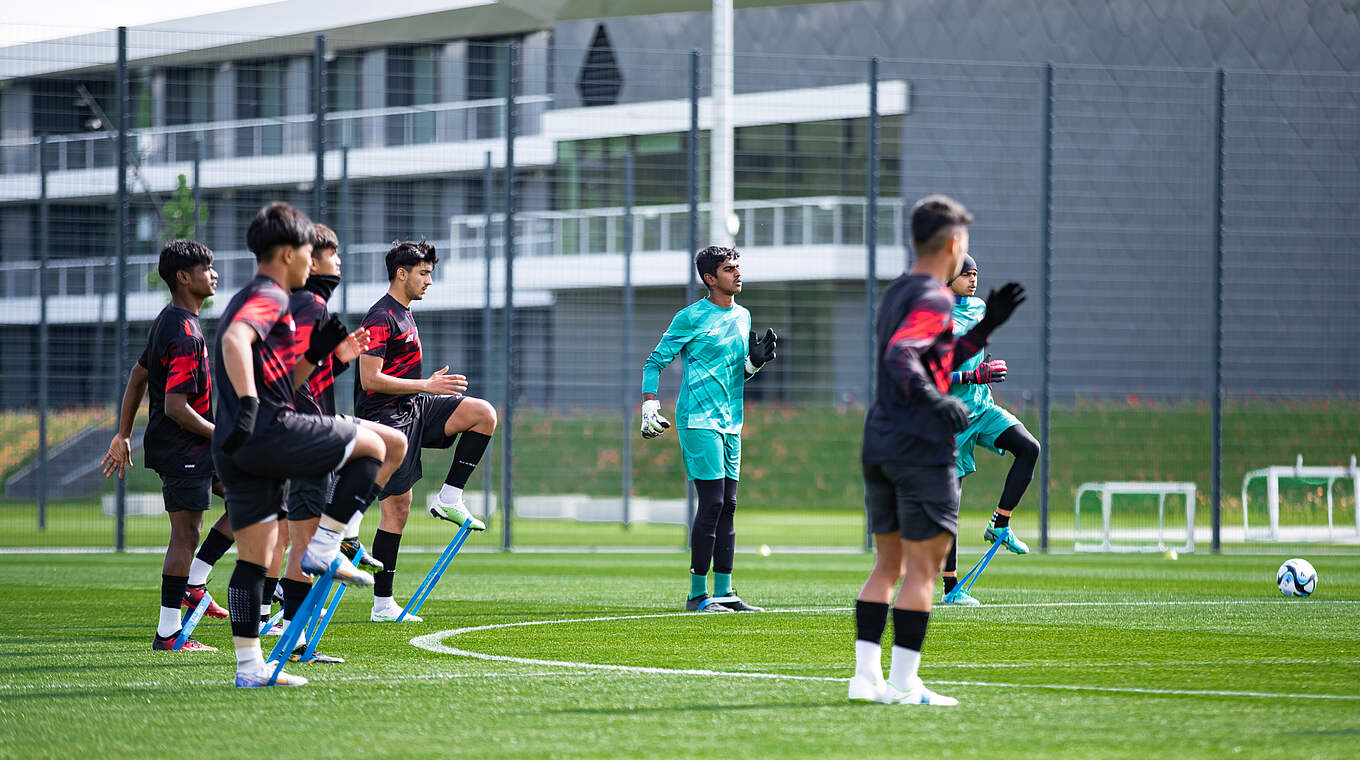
<point>325,338</point>
<point>760,351</point>
<point>947,408</point>
<point>246,409</point>
<point>1000,305</point>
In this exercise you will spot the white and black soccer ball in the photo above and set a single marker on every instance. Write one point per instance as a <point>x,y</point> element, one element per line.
<point>1296,577</point>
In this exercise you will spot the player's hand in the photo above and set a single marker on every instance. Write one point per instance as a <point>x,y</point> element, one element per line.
<point>352,346</point>
<point>1000,305</point>
<point>246,410</point>
<point>119,456</point>
<point>991,371</point>
<point>325,339</point>
<point>947,408</point>
<point>441,383</point>
<point>760,351</point>
<point>653,424</point>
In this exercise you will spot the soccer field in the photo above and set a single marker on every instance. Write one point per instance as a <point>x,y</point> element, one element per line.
<point>586,656</point>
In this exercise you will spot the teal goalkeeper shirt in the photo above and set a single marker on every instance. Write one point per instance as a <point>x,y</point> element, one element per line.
<point>968,311</point>
<point>712,342</point>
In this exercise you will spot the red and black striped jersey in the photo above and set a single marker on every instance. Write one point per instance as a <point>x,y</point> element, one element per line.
<point>392,337</point>
<point>176,361</point>
<point>317,395</point>
<point>263,306</point>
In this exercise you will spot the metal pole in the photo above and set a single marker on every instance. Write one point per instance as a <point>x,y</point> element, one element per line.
<point>121,244</point>
<point>319,128</point>
<point>692,289</point>
<point>44,348</point>
<point>1046,264</point>
<point>345,228</point>
<point>508,299</point>
<point>627,333</point>
<point>720,138</point>
<point>198,197</point>
<point>1216,474</point>
<point>871,255</point>
<point>488,202</point>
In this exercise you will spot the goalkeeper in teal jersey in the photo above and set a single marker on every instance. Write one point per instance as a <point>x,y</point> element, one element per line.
<point>990,426</point>
<point>720,352</point>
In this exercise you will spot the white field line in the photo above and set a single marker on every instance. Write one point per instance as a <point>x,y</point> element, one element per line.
<point>226,681</point>
<point>434,642</point>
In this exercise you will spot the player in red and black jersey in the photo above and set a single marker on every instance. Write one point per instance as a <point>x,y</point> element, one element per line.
<point>262,441</point>
<point>173,368</point>
<point>908,454</point>
<point>430,411</point>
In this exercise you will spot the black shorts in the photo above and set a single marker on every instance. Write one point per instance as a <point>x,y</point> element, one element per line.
<point>916,502</point>
<point>425,430</point>
<point>307,497</point>
<point>192,494</point>
<point>290,446</point>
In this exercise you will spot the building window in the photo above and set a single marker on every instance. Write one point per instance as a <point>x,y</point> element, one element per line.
<point>600,80</point>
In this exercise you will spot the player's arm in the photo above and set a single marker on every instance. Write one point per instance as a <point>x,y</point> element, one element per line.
<point>239,366</point>
<point>1000,305</point>
<point>915,335</point>
<point>329,337</point>
<point>989,371</point>
<point>178,409</point>
<point>759,351</point>
<point>119,455</point>
<point>440,383</point>
<point>680,332</point>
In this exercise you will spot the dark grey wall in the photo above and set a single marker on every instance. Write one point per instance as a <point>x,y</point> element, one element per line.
<point>1132,211</point>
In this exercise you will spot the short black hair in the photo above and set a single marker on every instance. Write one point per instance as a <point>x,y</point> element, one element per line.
<point>406,254</point>
<point>181,255</point>
<point>278,224</point>
<point>934,213</point>
<point>709,259</point>
<point>326,239</point>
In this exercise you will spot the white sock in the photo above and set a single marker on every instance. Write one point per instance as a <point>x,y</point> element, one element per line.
<point>266,609</point>
<point>383,602</point>
<point>325,543</point>
<point>450,495</point>
<point>198,572</point>
<point>169,622</point>
<point>868,659</point>
<point>248,656</point>
<point>902,672</point>
<point>302,635</point>
<point>352,529</point>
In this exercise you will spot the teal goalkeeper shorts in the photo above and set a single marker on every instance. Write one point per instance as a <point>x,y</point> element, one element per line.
<point>710,455</point>
<point>983,427</point>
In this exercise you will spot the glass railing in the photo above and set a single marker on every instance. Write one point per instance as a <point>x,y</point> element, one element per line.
<point>786,222</point>
<point>251,138</point>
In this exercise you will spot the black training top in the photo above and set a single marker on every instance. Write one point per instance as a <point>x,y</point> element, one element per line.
<point>263,305</point>
<point>916,349</point>
<point>317,395</point>
<point>176,361</point>
<point>392,337</point>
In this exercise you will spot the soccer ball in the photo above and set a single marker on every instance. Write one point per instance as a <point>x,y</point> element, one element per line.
<point>1296,577</point>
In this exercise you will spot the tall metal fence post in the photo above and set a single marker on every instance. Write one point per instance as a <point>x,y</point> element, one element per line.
<point>44,348</point>
<point>1216,469</point>
<point>319,128</point>
<point>346,230</point>
<point>1046,319</point>
<point>627,333</point>
<point>198,184</point>
<point>488,205</point>
<point>871,254</point>
<point>692,289</point>
<point>508,308</point>
<point>121,246</point>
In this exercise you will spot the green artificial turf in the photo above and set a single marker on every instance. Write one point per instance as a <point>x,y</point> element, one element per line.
<point>1089,656</point>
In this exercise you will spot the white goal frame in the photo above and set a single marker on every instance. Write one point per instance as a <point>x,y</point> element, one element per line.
<point>1109,489</point>
<point>1274,474</point>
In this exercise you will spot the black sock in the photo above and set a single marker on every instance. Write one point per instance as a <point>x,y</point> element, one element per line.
<point>951,562</point>
<point>213,547</point>
<point>1000,521</point>
<point>355,488</point>
<point>704,532</point>
<point>268,597</point>
<point>466,455</point>
<point>950,581</point>
<point>293,594</point>
<point>870,620</point>
<point>725,533</point>
<point>385,546</point>
<point>909,628</point>
<point>172,590</point>
<point>244,593</point>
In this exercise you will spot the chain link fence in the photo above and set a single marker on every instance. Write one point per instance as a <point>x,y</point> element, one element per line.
<point>1187,235</point>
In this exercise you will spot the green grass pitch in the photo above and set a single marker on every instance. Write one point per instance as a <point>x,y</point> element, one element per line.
<point>1076,656</point>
